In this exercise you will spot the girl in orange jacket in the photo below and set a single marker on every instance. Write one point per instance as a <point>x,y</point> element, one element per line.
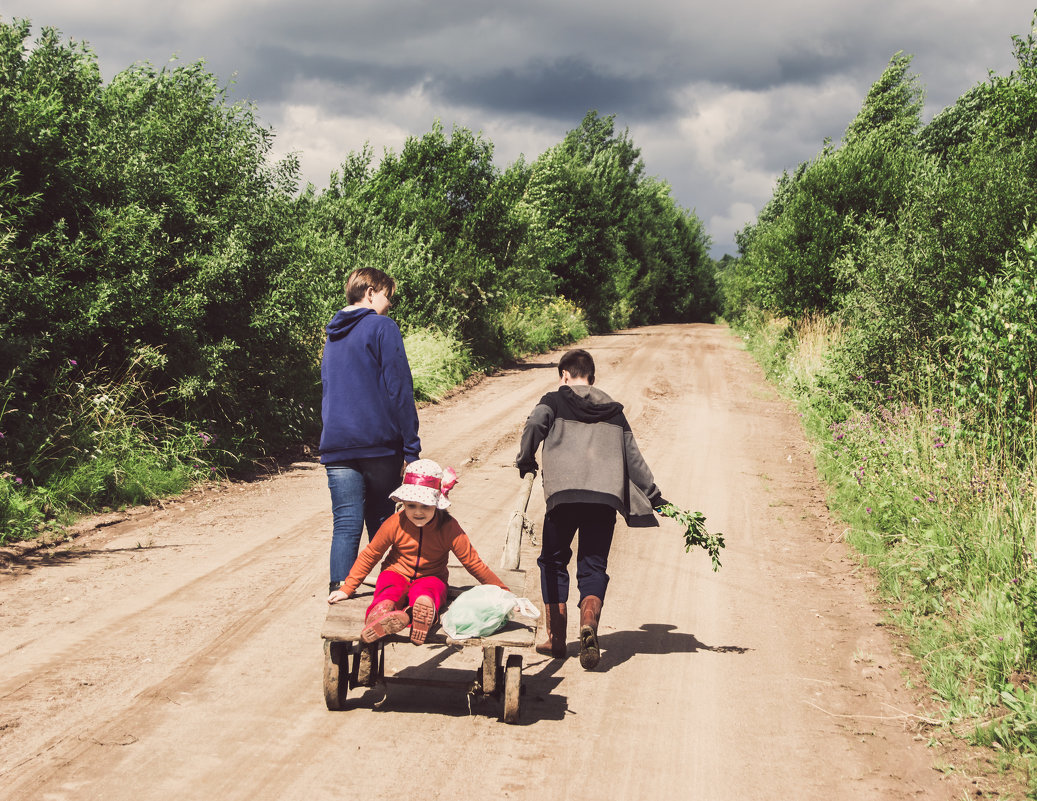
<point>419,539</point>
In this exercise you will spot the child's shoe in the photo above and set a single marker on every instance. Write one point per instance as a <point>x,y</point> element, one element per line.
<point>383,620</point>
<point>423,615</point>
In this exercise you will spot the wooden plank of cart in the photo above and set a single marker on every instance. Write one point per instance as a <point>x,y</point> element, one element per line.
<point>346,669</point>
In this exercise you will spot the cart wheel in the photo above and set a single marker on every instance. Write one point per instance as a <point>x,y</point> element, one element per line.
<point>491,660</point>
<point>512,688</point>
<point>336,677</point>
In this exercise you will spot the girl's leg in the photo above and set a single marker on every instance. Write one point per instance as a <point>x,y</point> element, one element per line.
<point>427,596</point>
<point>383,616</point>
<point>430,586</point>
<point>347,513</point>
<point>389,586</point>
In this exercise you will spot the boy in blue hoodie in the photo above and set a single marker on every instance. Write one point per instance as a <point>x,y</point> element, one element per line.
<point>370,420</point>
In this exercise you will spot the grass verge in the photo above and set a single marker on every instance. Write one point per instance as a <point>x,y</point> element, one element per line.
<point>948,520</point>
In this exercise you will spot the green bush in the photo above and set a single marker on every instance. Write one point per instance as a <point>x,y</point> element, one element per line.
<point>995,343</point>
<point>143,222</point>
<point>538,328</point>
<point>438,362</point>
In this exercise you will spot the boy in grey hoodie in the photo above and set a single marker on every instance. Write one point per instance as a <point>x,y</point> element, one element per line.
<point>592,469</point>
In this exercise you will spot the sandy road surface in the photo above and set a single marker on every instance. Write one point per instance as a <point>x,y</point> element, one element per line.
<point>177,654</point>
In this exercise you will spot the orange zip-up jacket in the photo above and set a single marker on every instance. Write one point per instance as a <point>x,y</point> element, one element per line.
<point>419,551</point>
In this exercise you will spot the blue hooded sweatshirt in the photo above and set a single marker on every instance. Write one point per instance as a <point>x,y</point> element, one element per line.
<point>368,393</point>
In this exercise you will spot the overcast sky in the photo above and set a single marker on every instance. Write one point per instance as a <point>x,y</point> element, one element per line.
<point>720,96</point>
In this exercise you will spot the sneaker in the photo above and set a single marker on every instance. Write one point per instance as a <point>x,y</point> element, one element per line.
<point>423,615</point>
<point>385,625</point>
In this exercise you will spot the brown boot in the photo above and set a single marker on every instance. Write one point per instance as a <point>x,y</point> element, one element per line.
<point>384,619</point>
<point>590,613</point>
<point>554,645</point>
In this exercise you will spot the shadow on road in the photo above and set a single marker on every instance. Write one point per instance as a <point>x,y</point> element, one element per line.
<point>653,638</point>
<point>538,700</point>
<point>45,558</point>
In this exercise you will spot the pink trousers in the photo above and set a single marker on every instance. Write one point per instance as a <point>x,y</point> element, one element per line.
<point>391,586</point>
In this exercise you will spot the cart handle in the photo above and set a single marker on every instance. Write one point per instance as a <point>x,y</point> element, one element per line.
<point>513,540</point>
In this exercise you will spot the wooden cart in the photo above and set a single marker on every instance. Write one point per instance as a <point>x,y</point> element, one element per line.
<point>346,666</point>
<point>349,663</point>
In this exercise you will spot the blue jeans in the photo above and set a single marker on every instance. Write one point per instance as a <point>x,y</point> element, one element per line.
<point>360,490</point>
<point>595,523</point>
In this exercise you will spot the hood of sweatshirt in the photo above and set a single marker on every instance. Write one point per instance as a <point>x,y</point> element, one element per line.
<point>589,404</point>
<point>345,320</point>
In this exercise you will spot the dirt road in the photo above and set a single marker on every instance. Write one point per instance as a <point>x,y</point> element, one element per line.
<point>177,654</point>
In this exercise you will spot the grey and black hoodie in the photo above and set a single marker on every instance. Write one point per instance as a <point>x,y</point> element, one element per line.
<point>590,455</point>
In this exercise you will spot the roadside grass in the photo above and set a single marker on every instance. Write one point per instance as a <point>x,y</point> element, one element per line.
<point>948,519</point>
<point>104,448</point>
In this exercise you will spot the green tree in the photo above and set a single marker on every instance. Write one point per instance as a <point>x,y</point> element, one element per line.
<point>578,195</point>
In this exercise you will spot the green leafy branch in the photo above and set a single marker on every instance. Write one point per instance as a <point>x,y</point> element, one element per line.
<point>695,533</point>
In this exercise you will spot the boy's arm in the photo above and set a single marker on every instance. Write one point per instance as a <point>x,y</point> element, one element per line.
<point>537,425</point>
<point>639,472</point>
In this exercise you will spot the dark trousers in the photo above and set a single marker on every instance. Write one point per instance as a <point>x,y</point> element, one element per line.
<point>595,523</point>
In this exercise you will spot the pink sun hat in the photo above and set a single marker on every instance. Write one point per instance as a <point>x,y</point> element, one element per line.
<point>427,483</point>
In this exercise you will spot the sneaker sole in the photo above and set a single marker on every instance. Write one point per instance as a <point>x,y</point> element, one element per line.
<point>423,616</point>
<point>383,627</point>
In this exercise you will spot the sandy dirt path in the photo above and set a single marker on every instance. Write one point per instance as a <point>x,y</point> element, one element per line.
<point>177,654</point>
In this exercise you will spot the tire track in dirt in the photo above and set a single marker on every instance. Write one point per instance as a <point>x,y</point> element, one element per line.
<point>162,638</point>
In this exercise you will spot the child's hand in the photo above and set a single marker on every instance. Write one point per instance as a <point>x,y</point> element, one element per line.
<point>337,596</point>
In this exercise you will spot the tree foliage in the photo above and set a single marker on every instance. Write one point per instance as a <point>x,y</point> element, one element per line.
<point>144,226</point>
<point>904,233</point>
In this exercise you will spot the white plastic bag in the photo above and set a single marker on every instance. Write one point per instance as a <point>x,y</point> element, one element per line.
<point>482,610</point>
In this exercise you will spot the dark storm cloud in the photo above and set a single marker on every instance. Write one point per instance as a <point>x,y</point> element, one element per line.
<point>559,90</point>
<point>719,97</point>
<point>275,70</point>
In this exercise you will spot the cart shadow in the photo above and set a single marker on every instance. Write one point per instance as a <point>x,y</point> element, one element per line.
<point>652,638</point>
<point>538,701</point>
<point>538,698</point>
